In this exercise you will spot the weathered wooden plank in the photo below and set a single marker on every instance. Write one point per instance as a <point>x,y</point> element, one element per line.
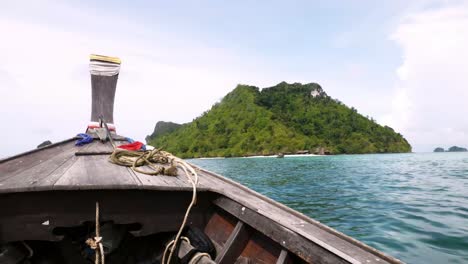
<point>234,245</point>
<point>96,147</point>
<point>54,145</point>
<point>177,182</point>
<point>102,147</point>
<point>83,153</point>
<point>134,176</point>
<point>300,246</point>
<point>107,173</point>
<point>84,147</point>
<point>156,180</point>
<point>181,180</point>
<point>28,178</point>
<point>117,138</point>
<point>52,178</point>
<point>14,166</point>
<point>97,171</point>
<point>147,179</point>
<point>75,175</point>
<point>207,180</point>
<point>219,227</point>
<point>261,249</point>
<point>284,258</point>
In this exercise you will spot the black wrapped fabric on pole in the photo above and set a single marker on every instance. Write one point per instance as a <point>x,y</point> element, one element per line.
<point>104,75</point>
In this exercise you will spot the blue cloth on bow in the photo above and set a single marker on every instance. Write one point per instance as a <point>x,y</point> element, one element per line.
<point>85,139</point>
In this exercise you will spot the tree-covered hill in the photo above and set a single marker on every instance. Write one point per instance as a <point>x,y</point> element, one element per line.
<point>162,128</point>
<point>284,118</point>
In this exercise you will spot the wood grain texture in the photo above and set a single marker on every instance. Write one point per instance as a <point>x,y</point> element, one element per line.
<point>98,171</point>
<point>53,177</point>
<point>234,245</point>
<point>261,249</point>
<point>15,166</point>
<point>284,258</point>
<point>219,227</point>
<point>29,152</point>
<point>179,182</point>
<point>295,243</point>
<point>96,148</point>
<point>28,178</point>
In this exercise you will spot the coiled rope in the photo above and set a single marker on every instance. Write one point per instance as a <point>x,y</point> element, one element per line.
<point>135,159</point>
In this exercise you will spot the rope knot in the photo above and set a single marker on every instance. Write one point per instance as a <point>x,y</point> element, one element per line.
<point>94,242</point>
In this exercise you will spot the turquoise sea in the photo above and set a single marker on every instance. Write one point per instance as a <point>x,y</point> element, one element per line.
<point>411,206</point>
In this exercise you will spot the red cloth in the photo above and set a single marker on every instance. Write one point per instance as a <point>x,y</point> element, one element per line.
<point>132,146</point>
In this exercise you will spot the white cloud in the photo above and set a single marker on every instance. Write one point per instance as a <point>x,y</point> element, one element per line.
<point>45,83</point>
<point>431,94</point>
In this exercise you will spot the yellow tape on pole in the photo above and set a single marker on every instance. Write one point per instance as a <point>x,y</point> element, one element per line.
<point>104,58</point>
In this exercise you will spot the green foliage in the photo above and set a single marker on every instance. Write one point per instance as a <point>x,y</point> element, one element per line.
<point>284,118</point>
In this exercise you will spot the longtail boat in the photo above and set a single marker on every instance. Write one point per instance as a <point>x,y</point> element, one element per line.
<point>64,203</point>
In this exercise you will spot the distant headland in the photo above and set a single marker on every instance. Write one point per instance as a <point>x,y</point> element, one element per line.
<point>451,149</point>
<point>286,118</point>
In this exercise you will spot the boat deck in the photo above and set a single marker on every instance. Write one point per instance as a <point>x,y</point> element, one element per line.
<point>64,166</point>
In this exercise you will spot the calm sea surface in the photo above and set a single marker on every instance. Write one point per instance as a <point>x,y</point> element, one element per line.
<point>411,206</point>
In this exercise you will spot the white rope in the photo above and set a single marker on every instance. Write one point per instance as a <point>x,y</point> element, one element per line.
<point>198,256</point>
<point>96,242</point>
<point>169,245</point>
<point>194,181</point>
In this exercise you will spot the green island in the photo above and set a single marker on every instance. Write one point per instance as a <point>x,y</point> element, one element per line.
<point>451,149</point>
<point>286,118</point>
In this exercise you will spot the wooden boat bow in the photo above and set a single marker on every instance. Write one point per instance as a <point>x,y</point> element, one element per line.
<point>49,193</point>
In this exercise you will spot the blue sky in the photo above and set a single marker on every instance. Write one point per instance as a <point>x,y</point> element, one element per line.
<point>403,63</point>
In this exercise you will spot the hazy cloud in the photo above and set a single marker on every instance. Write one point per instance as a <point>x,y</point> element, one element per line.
<point>429,106</point>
